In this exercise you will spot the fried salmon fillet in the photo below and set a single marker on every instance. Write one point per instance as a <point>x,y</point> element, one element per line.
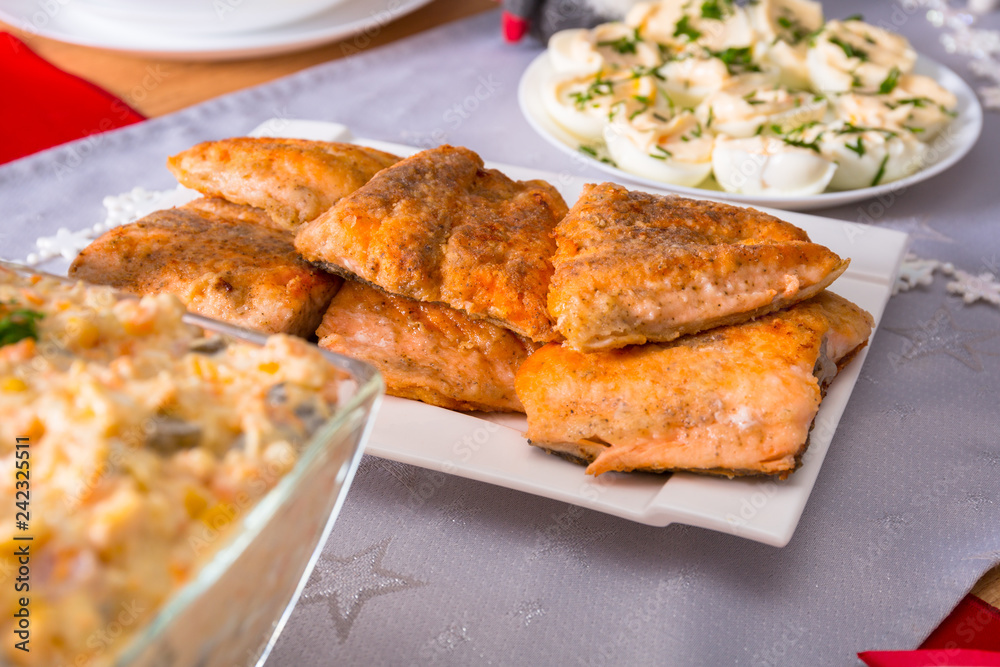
<point>217,207</point>
<point>439,227</point>
<point>633,267</point>
<point>294,180</point>
<point>236,271</point>
<point>736,400</point>
<point>427,351</point>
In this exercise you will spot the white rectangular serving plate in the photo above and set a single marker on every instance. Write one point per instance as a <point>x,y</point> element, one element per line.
<point>491,447</point>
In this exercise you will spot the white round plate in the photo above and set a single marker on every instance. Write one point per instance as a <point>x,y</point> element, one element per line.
<point>950,146</point>
<point>203,16</point>
<point>65,22</point>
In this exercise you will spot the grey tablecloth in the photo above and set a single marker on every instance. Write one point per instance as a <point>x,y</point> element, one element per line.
<point>426,568</point>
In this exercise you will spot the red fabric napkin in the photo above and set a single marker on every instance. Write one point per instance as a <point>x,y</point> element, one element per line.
<point>931,658</point>
<point>44,106</point>
<point>968,637</point>
<point>973,624</point>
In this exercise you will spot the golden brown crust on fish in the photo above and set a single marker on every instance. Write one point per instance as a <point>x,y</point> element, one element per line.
<point>633,267</point>
<point>438,227</point>
<point>235,271</point>
<point>294,180</point>
<point>734,400</point>
<point>426,351</point>
<point>216,207</point>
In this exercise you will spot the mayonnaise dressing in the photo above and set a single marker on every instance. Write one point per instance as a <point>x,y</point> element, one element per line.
<point>677,151</point>
<point>783,29</point>
<point>853,54</point>
<point>743,109</point>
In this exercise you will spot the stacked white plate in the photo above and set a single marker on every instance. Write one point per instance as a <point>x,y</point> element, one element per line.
<point>203,29</point>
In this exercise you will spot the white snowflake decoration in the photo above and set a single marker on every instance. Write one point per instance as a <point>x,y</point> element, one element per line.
<point>990,96</point>
<point>121,209</point>
<point>65,244</point>
<point>916,271</point>
<point>983,46</point>
<point>974,288</point>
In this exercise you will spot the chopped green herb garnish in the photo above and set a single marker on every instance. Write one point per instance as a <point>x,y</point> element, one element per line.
<point>600,86</point>
<point>858,147</point>
<point>624,44</point>
<point>713,9</point>
<point>685,28</point>
<point>737,60</point>
<point>915,130</point>
<point>811,37</point>
<point>881,172</point>
<point>890,82</point>
<point>851,128</point>
<point>646,103</point>
<point>640,71</point>
<point>811,145</point>
<point>854,17</point>
<point>660,118</point>
<point>664,153</point>
<point>613,109</point>
<point>849,50</point>
<point>760,129</point>
<point>711,116</point>
<point>19,324</point>
<point>918,102</point>
<point>592,152</point>
<point>794,32</point>
<point>803,127</point>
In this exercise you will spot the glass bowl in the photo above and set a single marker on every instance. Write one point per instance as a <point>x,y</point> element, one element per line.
<point>233,611</point>
<point>233,608</point>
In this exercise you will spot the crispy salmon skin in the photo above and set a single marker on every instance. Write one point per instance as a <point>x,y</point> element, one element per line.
<point>427,351</point>
<point>294,180</point>
<point>438,227</point>
<point>633,267</point>
<point>221,267</point>
<point>736,400</point>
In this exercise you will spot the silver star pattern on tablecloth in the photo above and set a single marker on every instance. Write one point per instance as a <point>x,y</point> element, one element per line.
<point>941,335</point>
<point>346,584</point>
<point>919,229</point>
<point>529,611</point>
